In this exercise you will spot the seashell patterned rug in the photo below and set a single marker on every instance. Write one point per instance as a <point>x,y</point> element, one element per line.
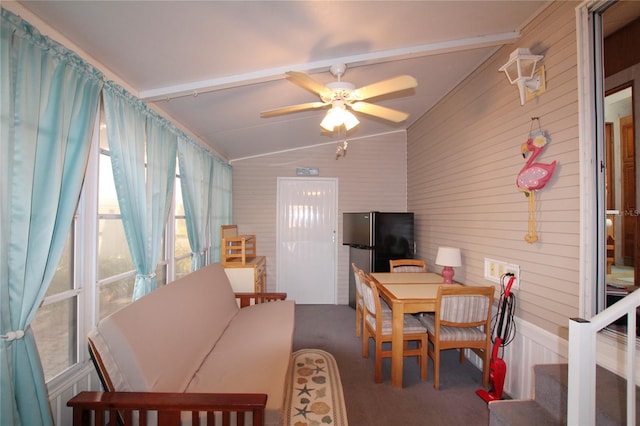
<point>314,391</point>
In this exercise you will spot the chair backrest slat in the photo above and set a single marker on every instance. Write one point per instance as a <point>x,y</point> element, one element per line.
<point>466,306</point>
<point>356,277</point>
<point>407,265</point>
<point>369,295</point>
<point>465,309</point>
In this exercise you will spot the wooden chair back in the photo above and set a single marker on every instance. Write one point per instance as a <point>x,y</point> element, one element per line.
<point>407,265</point>
<point>462,320</point>
<point>377,324</point>
<point>371,301</point>
<point>359,301</point>
<point>464,306</point>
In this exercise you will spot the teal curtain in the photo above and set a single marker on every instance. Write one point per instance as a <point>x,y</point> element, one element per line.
<point>196,172</point>
<point>48,99</point>
<point>143,156</point>
<point>220,204</point>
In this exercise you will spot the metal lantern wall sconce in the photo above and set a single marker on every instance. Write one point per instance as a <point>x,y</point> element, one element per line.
<point>521,70</point>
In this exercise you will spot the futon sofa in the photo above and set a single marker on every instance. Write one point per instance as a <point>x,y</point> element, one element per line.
<point>192,337</point>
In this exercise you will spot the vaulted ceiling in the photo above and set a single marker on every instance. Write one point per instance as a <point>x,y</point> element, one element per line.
<point>213,66</point>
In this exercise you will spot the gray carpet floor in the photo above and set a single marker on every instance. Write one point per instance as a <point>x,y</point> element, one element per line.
<point>332,328</point>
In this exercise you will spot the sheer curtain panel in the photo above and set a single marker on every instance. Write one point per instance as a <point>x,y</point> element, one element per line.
<point>143,155</point>
<point>196,172</point>
<point>220,204</point>
<point>48,104</point>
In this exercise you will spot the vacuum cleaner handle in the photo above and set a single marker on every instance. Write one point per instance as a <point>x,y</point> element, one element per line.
<point>505,300</point>
<point>507,292</point>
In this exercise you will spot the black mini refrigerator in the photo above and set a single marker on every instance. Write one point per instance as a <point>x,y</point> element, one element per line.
<point>374,238</point>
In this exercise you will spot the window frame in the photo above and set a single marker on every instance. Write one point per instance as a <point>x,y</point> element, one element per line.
<point>175,217</point>
<point>86,285</point>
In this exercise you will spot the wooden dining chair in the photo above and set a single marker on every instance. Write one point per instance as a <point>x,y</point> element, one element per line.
<point>360,302</point>
<point>377,325</point>
<point>462,320</point>
<point>407,265</point>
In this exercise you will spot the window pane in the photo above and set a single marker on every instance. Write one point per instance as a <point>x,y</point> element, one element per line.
<point>183,267</point>
<point>161,275</point>
<point>107,197</point>
<point>103,130</point>
<point>182,240</point>
<point>115,295</point>
<point>178,197</point>
<point>54,328</point>
<point>113,252</point>
<point>63,278</point>
<point>163,255</point>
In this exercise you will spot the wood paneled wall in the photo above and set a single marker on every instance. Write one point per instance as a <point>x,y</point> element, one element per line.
<point>372,177</point>
<point>621,49</point>
<point>463,159</point>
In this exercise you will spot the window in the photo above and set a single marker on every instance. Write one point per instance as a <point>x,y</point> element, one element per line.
<point>182,249</point>
<point>55,325</point>
<point>95,275</point>
<point>116,272</point>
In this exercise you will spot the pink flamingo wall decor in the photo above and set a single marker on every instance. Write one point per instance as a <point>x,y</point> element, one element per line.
<point>534,176</point>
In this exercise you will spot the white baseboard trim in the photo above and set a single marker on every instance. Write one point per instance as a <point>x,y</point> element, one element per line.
<point>531,345</point>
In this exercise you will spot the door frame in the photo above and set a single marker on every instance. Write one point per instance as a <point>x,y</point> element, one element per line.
<point>591,128</point>
<point>335,230</point>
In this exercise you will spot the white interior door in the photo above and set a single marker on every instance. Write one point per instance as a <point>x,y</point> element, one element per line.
<point>306,241</point>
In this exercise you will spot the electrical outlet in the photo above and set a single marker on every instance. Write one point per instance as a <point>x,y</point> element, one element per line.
<point>515,270</point>
<point>495,269</point>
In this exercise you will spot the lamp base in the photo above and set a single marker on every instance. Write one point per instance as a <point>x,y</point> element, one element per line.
<point>447,274</point>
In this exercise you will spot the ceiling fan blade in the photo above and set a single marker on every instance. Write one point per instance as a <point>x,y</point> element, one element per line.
<point>391,85</point>
<point>380,111</point>
<point>307,82</point>
<point>292,108</point>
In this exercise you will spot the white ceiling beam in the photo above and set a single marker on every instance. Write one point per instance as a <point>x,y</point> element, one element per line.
<point>203,86</point>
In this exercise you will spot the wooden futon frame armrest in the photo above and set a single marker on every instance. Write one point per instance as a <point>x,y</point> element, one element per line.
<point>245,298</point>
<point>122,405</point>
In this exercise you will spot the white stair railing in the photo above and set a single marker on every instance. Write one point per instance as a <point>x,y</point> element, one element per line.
<point>581,395</point>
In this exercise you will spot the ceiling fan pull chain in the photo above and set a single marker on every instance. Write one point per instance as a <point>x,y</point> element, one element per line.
<point>342,150</point>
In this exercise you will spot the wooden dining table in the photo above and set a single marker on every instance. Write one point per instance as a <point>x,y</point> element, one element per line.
<point>406,293</point>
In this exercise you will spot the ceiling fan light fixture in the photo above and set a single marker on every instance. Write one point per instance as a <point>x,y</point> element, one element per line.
<point>338,116</point>
<point>341,94</point>
<point>349,120</point>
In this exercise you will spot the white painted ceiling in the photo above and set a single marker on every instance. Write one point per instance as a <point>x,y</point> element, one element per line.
<point>214,65</point>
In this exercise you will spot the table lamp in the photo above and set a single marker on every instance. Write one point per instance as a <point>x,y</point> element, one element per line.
<point>448,257</point>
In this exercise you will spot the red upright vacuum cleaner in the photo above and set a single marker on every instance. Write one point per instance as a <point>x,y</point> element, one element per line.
<point>503,329</point>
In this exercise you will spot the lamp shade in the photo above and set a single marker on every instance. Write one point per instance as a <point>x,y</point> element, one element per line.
<point>448,256</point>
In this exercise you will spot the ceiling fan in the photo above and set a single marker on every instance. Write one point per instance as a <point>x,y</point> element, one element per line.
<point>341,95</point>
